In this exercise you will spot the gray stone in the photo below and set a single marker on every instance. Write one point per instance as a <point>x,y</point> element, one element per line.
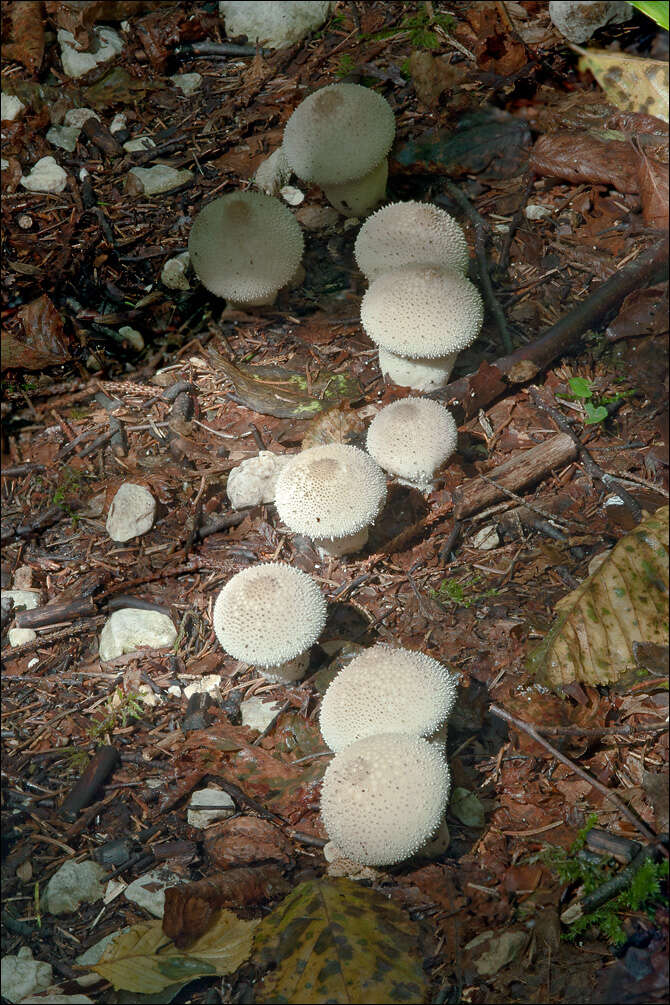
<point>76,63</point>
<point>75,883</point>
<point>534,211</point>
<point>22,976</point>
<point>486,539</point>
<point>225,807</point>
<point>254,480</point>
<point>46,176</point>
<point>10,107</point>
<point>160,178</point>
<point>187,82</point>
<point>131,513</point>
<point>578,20</point>
<point>78,116</point>
<point>64,137</point>
<point>149,891</point>
<point>258,714</point>
<point>276,25</point>
<point>132,336</point>
<point>129,629</point>
<point>93,953</point>
<point>23,599</point>
<point>139,144</point>
<point>19,636</point>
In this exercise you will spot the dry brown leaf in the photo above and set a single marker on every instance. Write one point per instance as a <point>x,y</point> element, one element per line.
<point>28,35</point>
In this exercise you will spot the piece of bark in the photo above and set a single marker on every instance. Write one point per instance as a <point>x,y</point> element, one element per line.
<point>55,614</point>
<point>100,136</point>
<point>519,472</point>
<point>93,777</point>
<point>244,840</point>
<point>191,908</point>
<point>469,394</point>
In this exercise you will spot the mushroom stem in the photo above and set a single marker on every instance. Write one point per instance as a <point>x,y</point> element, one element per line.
<point>422,374</point>
<point>336,547</point>
<point>241,305</point>
<point>286,673</point>
<point>359,197</point>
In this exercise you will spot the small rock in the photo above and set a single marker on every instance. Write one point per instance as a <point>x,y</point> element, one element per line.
<point>77,63</point>
<point>75,883</point>
<point>119,123</point>
<point>24,600</point>
<point>292,196</point>
<point>4,164</point>
<point>149,891</point>
<point>533,211</point>
<point>174,690</point>
<point>147,695</point>
<point>23,578</point>
<point>174,272</point>
<point>19,636</point>
<point>64,137</point>
<point>10,107</point>
<point>254,480</point>
<point>209,684</point>
<point>132,336</point>
<point>160,178</point>
<point>272,24</point>
<point>46,176</point>
<point>273,172</point>
<point>225,807</point>
<point>22,976</point>
<point>78,116</point>
<point>140,143</point>
<point>132,512</point>
<point>187,82</point>
<point>129,629</point>
<point>578,20</point>
<point>486,539</point>
<point>258,714</point>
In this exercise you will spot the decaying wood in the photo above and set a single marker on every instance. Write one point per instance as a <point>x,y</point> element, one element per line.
<point>88,785</point>
<point>519,472</point>
<point>492,380</point>
<point>56,614</point>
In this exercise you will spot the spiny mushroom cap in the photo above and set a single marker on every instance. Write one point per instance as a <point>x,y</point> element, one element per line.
<point>269,614</point>
<point>410,233</point>
<point>330,491</point>
<point>386,690</point>
<point>245,246</point>
<point>384,796</point>
<point>338,134</point>
<point>412,437</point>
<point>422,312</point>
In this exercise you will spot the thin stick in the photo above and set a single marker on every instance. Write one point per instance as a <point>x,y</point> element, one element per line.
<point>482,231</point>
<point>613,798</point>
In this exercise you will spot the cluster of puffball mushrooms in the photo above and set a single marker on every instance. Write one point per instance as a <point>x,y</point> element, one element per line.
<point>385,792</point>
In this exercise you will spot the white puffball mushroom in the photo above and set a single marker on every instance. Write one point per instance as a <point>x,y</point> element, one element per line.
<point>276,25</point>
<point>411,438</point>
<point>269,615</point>
<point>419,374</point>
<point>245,246</point>
<point>387,690</point>
<point>423,314</point>
<point>338,138</point>
<point>384,797</point>
<point>410,233</point>
<point>332,494</point>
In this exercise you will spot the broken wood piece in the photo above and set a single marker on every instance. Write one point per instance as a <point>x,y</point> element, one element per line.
<point>519,472</point>
<point>93,777</point>
<point>56,614</point>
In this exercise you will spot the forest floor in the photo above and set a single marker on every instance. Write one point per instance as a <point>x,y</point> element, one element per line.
<point>84,410</point>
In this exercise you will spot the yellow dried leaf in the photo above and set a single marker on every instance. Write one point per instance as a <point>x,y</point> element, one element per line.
<point>142,960</point>
<point>624,602</point>
<point>631,83</point>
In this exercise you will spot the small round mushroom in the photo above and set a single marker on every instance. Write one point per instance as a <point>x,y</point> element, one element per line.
<point>269,615</point>
<point>425,315</point>
<point>332,494</point>
<point>384,797</point>
<point>387,690</point>
<point>410,233</point>
<point>338,138</point>
<point>411,438</point>
<point>245,246</point>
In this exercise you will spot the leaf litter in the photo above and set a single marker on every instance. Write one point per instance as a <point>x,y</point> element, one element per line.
<point>472,90</point>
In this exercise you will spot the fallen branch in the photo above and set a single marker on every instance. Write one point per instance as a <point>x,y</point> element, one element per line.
<point>492,380</point>
<point>612,796</point>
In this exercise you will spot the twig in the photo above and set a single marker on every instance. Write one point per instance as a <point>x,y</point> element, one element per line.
<point>492,380</point>
<point>280,711</point>
<point>592,901</point>
<point>482,231</point>
<point>590,464</point>
<point>612,796</point>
